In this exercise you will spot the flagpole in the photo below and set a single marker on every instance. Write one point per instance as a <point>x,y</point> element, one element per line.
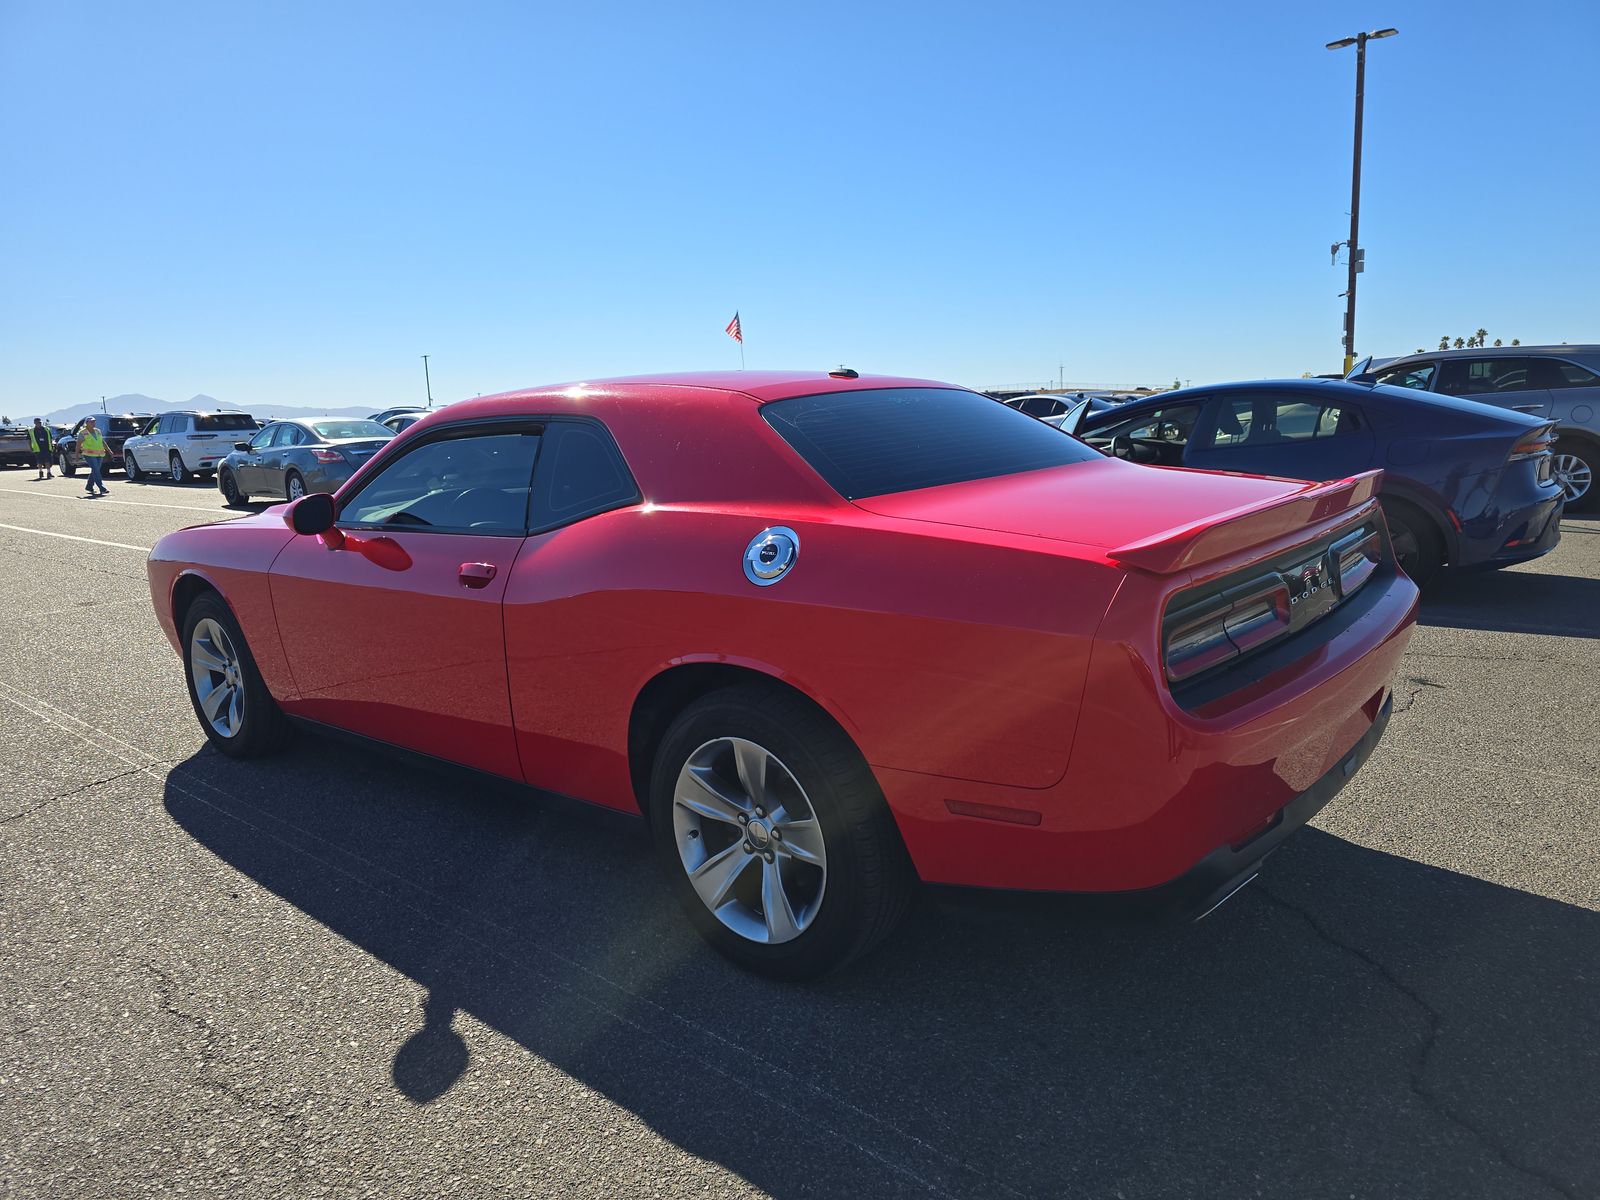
<point>741,347</point>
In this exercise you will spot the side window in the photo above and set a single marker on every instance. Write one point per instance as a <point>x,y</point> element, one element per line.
<point>1417,376</point>
<point>263,439</point>
<point>1481,376</point>
<point>472,483</point>
<point>580,473</point>
<point>1042,406</point>
<point>1172,423</point>
<point>1557,373</point>
<point>150,427</point>
<point>1267,420</point>
<point>289,435</point>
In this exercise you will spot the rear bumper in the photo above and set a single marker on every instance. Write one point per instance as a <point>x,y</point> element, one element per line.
<point>1152,792</point>
<point>1522,534</point>
<point>1227,868</point>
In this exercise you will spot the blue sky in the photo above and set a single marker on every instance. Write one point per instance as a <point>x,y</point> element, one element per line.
<point>290,202</point>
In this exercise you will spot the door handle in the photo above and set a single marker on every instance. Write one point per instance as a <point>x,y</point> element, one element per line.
<point>1528,408</point>
<point>477,575</point>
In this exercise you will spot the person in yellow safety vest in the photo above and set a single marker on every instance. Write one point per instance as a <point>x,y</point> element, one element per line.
<point>39,443</point>
<point>92,445</point>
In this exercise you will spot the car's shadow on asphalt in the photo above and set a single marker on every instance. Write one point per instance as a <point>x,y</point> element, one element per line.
<point>1521,601</point>
<point>1516,602</point>
<point>1354,1023</point>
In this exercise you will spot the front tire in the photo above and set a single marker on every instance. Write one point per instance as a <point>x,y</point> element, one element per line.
<point>1576,466</point>
<point>236,711</point>
<point>775,835</point>
<point>175,468</point>
<point>130,468</point>
<point>67,469</point>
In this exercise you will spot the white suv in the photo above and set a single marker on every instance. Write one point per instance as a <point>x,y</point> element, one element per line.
<point>183,445</point>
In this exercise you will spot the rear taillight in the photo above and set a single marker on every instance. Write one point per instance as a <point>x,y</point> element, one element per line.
<point>327,456</point>
<point>1534,444</point>
<point>1356,558</point>
<point>1233,623</point>
<point>1211,624</point>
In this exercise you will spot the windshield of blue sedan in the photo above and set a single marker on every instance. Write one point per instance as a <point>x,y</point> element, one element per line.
<point>337,431</point>
<point>878,441</point>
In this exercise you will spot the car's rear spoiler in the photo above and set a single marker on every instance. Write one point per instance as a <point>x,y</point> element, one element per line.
<point>1186,546</point>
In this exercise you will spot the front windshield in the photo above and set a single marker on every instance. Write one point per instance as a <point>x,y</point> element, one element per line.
<point>336,431</point>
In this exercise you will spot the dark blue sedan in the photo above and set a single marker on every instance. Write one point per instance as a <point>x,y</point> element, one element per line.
<point>1465,484</point>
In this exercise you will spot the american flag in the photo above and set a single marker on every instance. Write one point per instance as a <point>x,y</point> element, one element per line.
<point>734,331</point>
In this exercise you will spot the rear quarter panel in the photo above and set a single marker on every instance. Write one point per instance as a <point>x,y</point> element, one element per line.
<point>946,654</point>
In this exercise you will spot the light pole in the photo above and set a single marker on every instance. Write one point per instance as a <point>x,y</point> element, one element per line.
<point>1354,244</point>
<point>427,380</point>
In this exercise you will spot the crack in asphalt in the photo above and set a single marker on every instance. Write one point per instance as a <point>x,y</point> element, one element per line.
<point>166,988</point>
<point>1435,1022</point>
<point>73,791</point>
<point>82,564</point>
<point>1415,685</point>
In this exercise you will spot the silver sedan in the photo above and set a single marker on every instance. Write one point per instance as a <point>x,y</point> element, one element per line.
<point>287,459</point>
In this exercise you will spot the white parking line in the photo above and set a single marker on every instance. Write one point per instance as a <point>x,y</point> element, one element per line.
<point>72,537</point>
<point>108,500</point>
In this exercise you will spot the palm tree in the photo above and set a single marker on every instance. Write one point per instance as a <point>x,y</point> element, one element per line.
<point>1460,342</point>
<point>1497,341</point>
<point>1444,342</point>
<point>1483,336</point>
<point>1516,341</point>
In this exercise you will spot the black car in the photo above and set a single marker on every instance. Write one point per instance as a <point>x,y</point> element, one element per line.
<point>1464,484</point>
<point>116,430</point>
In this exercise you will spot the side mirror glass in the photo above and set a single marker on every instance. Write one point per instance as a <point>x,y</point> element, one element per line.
<point>311,514</point>
<point>241,445</point>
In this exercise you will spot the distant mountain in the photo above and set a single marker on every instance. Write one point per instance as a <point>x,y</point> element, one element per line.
<point>134,402</point>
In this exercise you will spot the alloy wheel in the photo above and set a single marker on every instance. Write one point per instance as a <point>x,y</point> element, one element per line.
<point>218,677</point>
<point>749,840</point>
<point>1574,475</point>
<point>175,468</point>
<point>296,488</point>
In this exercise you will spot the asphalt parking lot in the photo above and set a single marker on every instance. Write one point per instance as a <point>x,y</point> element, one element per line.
<point>329,974</point>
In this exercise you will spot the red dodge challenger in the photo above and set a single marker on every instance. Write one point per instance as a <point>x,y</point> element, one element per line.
<point>827,635</point>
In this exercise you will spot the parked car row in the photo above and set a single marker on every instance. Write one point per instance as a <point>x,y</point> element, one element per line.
<point>828,636</point>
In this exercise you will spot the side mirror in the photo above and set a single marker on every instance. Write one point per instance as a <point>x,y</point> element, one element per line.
<point>310,514</point>
<point>241,446</point>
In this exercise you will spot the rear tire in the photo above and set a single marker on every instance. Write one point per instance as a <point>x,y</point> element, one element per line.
<point>1418,546</point>
<point>175,468</point>
<point>245,721</point>
<point>826,914</point>
<point>1577,466</point>
<point>229,487</point>
<point>293,485</point>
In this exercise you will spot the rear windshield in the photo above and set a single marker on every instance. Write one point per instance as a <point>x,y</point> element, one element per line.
<point>337,430</point>
<point>125,425</point>
<point>220,422</point>
<point>871,443</point>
